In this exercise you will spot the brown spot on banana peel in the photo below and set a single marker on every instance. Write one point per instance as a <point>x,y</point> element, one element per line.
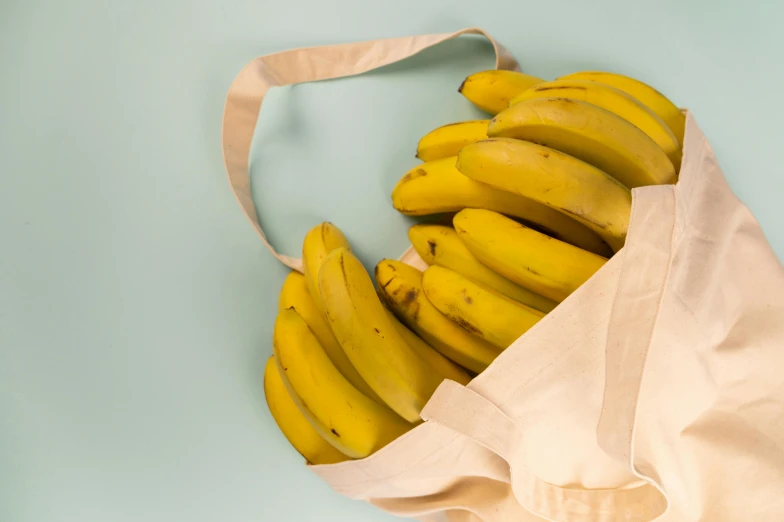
<point>467,298</point>
<point>384,285</point>
<point>324,233</point>
<point>558,88</point>
<point>343,269</point>
<point>335,432</point>
<point>532,271</point>
<point>465,325</point>
<point>418,173</point>
<point>409,305</point>
<point>432,246</point>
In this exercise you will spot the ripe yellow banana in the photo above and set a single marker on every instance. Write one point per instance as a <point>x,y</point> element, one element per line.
<point>295,427</point>
<point>319,242</point>
<point>438,187</point>
<point>590,133</point>
<point>345,417</point>
<point>369,338</point>
<point>555,179</point>
<point>295,294</point>
<point>492,90</point>
<point>545,265</point>
<point>445,368</point>
<point>615,101</point>
<point>400,286</point>
<point>653,99</point>
<point>447,140</point>
<point>479,310</point>
<point>438,245</point>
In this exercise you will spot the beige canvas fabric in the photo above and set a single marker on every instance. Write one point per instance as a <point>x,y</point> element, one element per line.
<point>654,392</point>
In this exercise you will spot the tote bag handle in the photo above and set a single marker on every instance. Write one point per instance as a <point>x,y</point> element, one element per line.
<point>310,64</point>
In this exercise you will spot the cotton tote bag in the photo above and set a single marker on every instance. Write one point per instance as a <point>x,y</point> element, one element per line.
<point>654,392</point>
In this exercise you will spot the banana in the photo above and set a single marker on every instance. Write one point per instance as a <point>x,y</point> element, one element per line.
<point>447,140</point>
<point>440,246</point>
<point>371,341</point>
<point>492,90</point>
<point>438,187</point>
<point>555,179</point>
<point>345,417</point>
<point>590,133</point>
<point>545,265</point>
<point>445,368</point>
<point>295,427</point>
<point>653,99</point>
<point>479,310</point>
<point>319,241</point>
<point>295,294</point>
<point>400,285</point>
<point>615,101</point>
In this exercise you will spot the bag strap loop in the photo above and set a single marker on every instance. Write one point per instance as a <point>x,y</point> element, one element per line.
<point>247,91</point>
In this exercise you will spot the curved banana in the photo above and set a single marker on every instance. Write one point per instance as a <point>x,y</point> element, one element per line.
<point>447,140</point>
<point>478,310</point>
<point>401,288</point>
<point>371,341</point>
<point>438,187</point>
<point>615,101</point>
<point>295,427</point>
<point>345,417</point>
<point>653,99</point>
<point>319,242</point>
<point>438,245</point>
<point>555,179</point>
<point>492,90</point>
<point>295,294</point>
<point>590,133</point>
<point>445,368</point>
<point>545,265</point>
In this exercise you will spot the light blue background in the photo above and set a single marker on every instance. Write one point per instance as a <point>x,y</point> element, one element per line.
<point>136,303</point>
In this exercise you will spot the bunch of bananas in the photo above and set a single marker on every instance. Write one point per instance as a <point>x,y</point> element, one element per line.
<point>539,199</point>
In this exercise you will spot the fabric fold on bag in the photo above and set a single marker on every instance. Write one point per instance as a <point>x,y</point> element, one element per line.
<point>705,418</point>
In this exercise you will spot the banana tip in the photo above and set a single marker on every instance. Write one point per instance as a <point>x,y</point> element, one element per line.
<point>462,85</point>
